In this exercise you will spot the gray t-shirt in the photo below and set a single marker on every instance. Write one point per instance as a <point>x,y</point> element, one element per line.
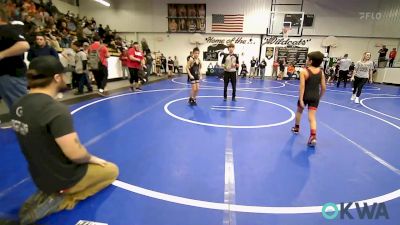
<point>38,120</point>
<point>344,64</point>
<point>79,58</point>
<point>362,69</point>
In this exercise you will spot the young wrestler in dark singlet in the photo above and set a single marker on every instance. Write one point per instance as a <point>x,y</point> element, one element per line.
<point>312,88</point>
<point>193,69</point>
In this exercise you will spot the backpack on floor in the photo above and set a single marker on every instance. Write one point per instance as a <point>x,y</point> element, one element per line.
<point>94,58</point>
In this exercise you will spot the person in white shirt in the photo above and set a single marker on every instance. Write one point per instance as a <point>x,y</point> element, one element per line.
<point>81,69</point>
<point>362,73</point>
<point>344,65</point>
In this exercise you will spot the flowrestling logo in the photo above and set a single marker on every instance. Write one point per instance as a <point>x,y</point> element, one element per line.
<point>375,211</point>
<point>370,15</point>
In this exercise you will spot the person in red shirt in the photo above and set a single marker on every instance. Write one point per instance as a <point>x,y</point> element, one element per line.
<point>100,74</point>
<point>124,63</point>
<point>392,56</point>
<point>135,64</point>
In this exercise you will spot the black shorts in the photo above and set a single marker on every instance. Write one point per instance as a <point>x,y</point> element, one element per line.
<point>311,103</point>
<point>170,68</point>
<point>196,79</point>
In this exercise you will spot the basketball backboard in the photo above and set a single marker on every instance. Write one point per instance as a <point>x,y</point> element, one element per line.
<point>287,22</point>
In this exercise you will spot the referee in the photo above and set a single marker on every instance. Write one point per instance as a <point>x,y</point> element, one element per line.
<point>230,63</point>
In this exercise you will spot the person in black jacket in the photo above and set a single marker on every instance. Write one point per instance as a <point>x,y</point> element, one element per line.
<point>41,48</point>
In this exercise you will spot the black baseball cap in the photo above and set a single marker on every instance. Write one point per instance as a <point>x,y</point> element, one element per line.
<point>45,67</point>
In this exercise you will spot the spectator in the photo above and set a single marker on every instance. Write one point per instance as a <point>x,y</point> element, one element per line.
<point>382,54</point>
<point>38,20</point>
<point>176,65</point>
<point>344,65</point>
<point>87,31</point>
<point>252,67</point>
<point>60,166</point>
<point>101,31</point>
<point>28,24</point>
<point>149,64</point>
<point>66,39</point>
<point>291,70</point>
<point>62,25</point>
<point>107,28</point>
<point>12,67</point>
<point>243,71</point>
<point>262,66</point>
<point>109,37</point>
<point>71,25</point>
<point>392,56</point>
<point>53,42</point>
<point>98,54</point>
<point>135,63</point>
<point>331,74</point>
<point>80,69</point>
<point>86,47</point>
<point>68,61</point>
<point>170,66</point>
<point>158,66</point>
<point>123,57</point>
<point>41,48</point>
<point>163,63</point>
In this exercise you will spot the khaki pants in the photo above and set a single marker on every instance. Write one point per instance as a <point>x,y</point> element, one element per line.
<point>96,179</point>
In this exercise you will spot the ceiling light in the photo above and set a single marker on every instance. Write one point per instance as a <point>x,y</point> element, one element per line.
<point>103,2</point>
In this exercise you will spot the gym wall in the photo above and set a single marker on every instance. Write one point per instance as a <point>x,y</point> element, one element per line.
<point>355,18</point>
<point>341,18</point>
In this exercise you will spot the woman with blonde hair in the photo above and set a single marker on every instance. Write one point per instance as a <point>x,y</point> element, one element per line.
<point>362,73</point>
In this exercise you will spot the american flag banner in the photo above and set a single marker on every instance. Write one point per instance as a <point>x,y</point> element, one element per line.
<point>227,23</point>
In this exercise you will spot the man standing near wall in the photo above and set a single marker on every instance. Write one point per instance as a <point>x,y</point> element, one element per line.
<point>344,65</point>
<point>253,67</point>
<point>13,84</point>
<point>392,56</point>
<point>382,55</point>
<point>164,63</point>
<point>231,63</point>
<point>97,60</point>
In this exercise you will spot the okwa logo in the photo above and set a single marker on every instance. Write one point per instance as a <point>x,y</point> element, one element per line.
<point>375,211</point>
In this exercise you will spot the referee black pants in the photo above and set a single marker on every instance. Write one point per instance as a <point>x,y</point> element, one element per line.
<point>229,77</point>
